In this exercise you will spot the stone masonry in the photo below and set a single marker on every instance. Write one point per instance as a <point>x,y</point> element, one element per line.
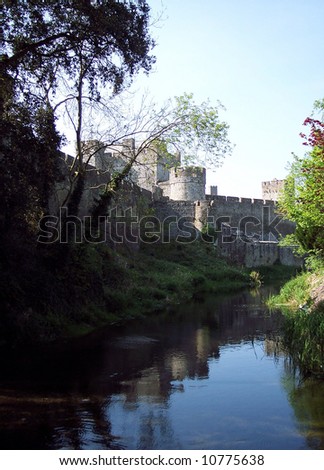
<point>244,230</point>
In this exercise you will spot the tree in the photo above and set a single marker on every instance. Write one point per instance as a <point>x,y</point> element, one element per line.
<point>74,61</point>
<point>303,198</point>
<point>28,167</point>
<point>193,130</point>
<point>198,133</point>
<point>41,39</point>
<point>90,45</point>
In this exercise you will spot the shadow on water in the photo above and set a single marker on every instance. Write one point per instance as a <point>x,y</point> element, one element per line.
<point>203,376</point>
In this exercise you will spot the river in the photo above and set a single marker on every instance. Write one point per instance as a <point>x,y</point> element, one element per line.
<point>208,375</point>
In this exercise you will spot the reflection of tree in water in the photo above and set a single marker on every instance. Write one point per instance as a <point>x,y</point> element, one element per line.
<point>273,347</point>
<point>67,404</point>
<point>155,429</point>
<point>96,423</point>
<point>77,389</point>
<point>55,423</point>
<point>306,398</point>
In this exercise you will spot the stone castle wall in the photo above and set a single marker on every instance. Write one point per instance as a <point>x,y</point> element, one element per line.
<point>129,195</point>
<point>236,207</point>
<point>187,201</point>
<point>252,218</point>
<point>186,214</point>
<point>259,254</point>
<point>176,219</point>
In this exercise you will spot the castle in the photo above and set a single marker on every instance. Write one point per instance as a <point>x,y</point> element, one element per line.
<point>245,230</point>
<point>157,173</point>
<point>152,170</point>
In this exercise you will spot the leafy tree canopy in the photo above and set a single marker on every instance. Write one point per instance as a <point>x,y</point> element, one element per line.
<point>197,131</point>
<point>42,38</point>
<point>44,44</point>
<point>303,198</point>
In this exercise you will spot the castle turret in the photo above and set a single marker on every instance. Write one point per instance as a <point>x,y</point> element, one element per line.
<point>187,183</point>
<point>271,189</point>
<point>213,191</point>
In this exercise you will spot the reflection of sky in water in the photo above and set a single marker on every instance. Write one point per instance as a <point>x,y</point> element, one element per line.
<point>223,411</point>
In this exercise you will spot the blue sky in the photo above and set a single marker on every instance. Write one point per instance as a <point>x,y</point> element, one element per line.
<point>263,59</point>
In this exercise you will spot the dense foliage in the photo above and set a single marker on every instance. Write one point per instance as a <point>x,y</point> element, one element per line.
<point>199,133</point>
<point>303,325</point>
<point>42,40</point>
<point>303,198</point>
<point>302,201</point>
<point>44,45</point>
<point>76,60</point>
<point>85,46</point>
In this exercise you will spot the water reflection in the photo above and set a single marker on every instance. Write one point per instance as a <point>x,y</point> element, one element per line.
<point>306,399</point>
<point>205,376</point>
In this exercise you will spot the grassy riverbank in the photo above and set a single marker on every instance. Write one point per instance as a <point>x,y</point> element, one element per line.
<point>67,291</point>
<point>302,302</point>
<point>72,290</point>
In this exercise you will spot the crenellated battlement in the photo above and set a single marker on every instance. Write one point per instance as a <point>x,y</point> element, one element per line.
<point>155,172</point>
<point>176,202</point>
<point>212,200</point>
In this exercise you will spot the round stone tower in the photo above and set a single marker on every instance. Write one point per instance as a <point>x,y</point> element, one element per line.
<point>187,183</point>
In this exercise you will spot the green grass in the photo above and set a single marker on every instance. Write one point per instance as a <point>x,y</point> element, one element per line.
<point>303,327</point>
<point>294,293</point>
<point>173,273</point>
<point>83,286</point>
<point>277,272</point>
<point>304,339</point>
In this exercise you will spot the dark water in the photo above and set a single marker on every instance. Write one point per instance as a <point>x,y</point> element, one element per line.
<point>207,376</point>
